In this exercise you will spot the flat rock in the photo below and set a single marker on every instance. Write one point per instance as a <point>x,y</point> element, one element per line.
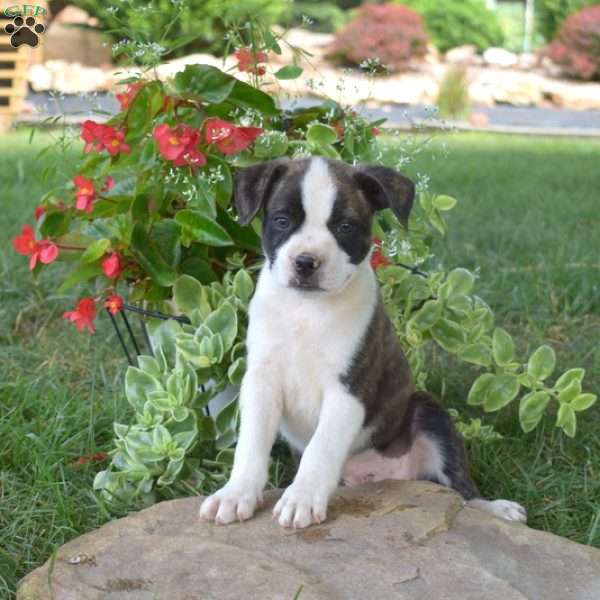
<point>396,539</point>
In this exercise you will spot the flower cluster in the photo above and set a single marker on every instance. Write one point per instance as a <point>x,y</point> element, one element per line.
<point>248,61</point>
<point>378,258</point>
<point>99,137</point>
<point>180,145</point>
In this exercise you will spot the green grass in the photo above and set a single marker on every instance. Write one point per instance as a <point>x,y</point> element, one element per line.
<point>526,220</point>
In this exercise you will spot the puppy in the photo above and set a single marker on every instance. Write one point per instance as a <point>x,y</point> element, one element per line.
<point>324,365</point>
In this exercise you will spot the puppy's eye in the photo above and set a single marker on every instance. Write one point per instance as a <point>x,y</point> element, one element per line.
<point>345,228</point>
<point>281,223</point>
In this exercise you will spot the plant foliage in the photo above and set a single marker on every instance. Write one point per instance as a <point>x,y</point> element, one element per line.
<point>577,46</point>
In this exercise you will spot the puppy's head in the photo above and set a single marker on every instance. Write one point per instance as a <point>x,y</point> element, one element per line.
<point>318,215</point>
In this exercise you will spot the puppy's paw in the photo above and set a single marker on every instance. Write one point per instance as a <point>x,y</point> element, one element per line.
<point>231,503</point>
<point>504,509</point>
<point>300,507</point>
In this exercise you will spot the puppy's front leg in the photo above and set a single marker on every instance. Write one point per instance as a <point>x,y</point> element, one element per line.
<point>305,501</point>
<point>260,415</point>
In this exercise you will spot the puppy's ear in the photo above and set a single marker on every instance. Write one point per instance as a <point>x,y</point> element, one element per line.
<point>254,185</point>
<point>386,188</point>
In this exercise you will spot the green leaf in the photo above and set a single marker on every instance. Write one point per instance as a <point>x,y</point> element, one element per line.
<point>448,334</point>
<point>567,377</point>
<point>236,371</point>
<point>289,72</point>
<point>206,428</point>
<point>478,391</point>
<point>165,236</point>
<point>95,251</point>
<point>321,135</point>
<point>246,95</point>
<point>150,257</point>
<point>224,321</point>
<point>271,145</point>
<point>503,347</point>
<point>542,363</point>
<point>427,316</point>
<point>171,472</point>
<point>187,293</point>
<point>206,81</point>
<point>227,418</point>
<point>203,229</point>
<point>55,225</point>
<point>532,408</point>
<point>567,419</point>
<point>444,202</point>
<point>571,392</point>
<point>199,269</point>
<point>478,354</point>
<point>138,384</point>
<point>583,402</point>
<point>243,285</point>
<point>150,365</point>
<point>458,283</point>
<point>502,390</point>
<point>81,273</point>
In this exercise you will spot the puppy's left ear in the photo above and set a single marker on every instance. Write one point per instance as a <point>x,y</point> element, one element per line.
<point>386,188</point>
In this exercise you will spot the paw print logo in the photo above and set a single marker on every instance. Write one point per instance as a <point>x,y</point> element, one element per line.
<point>24,31</point>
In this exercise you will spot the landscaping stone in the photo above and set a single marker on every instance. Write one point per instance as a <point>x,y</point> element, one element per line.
<point>499,57</point>
<point>466,54</point>
<point>395,539</point>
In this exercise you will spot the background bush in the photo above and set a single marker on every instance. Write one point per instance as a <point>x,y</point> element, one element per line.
<point>392,33</point>
<point>577,45</point>
<point>182,27</point>
<point>323,17</point>
<point>551,14</point>
<point>453,23</point>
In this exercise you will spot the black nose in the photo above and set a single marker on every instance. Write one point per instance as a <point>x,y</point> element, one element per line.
<point>306,264</point>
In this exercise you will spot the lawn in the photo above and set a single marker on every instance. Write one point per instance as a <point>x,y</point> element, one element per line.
<point>527,221</point>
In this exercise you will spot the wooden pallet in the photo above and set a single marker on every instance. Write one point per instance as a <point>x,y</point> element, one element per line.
<point>14,63</point>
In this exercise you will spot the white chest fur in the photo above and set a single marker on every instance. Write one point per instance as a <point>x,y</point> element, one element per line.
<point>304,341</point>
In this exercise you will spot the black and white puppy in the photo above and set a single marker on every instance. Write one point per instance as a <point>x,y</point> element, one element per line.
<point>324,365</point>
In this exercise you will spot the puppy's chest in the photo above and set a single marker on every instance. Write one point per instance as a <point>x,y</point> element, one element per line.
<point>305,348</point>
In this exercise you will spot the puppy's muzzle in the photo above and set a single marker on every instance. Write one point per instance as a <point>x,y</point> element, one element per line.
<point>306,267</point>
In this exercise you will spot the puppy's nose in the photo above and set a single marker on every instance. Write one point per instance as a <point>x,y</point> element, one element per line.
<point>306,264</point>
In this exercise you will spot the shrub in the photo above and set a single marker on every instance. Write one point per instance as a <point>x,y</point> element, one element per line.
<point>577,46</point>
<point>180,26</point>
<point>550,14</point>
<point>323,17</point>
<point>453,23</point>
<point>453,97</point>
<point>390,33</point>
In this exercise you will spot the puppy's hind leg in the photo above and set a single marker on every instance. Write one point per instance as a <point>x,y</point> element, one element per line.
<point>442,456</point>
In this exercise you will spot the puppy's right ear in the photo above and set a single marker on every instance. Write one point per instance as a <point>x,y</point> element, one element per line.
<point>254,185</point>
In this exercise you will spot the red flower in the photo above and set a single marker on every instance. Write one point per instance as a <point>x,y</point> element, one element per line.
<point>180,144</point>
<point>114,141</point>
<point>376,131</point>
<point>39,212</point>
<point>100,137</point>
<point>112,265</point>
<point>84,314</point>
<point>114,304</point>
<point>43,250</point>
<point>229,138</point>
<point>91,134</point>
<point>126,98</point>
<point>248,61</point>
<point>378,258</point>
<point>109,184</point>
<point>339,127</point>
<point>84,460</point>
<point>85,193</point>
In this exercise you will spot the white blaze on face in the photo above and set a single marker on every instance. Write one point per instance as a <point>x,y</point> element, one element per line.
<point>319,192</point>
